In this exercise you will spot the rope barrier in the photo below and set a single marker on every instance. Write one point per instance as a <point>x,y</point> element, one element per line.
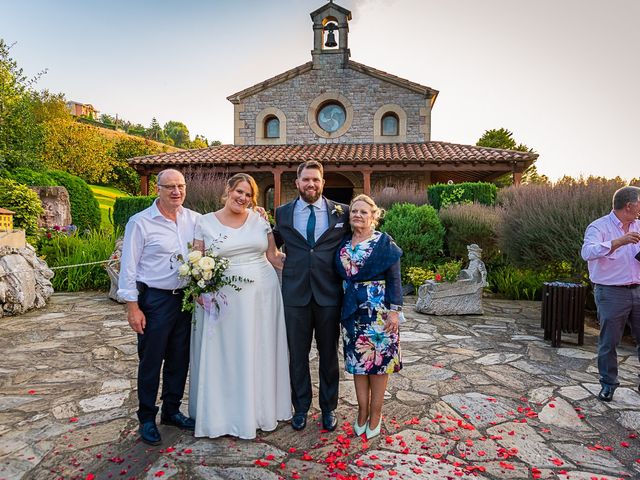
<point>59,267</point>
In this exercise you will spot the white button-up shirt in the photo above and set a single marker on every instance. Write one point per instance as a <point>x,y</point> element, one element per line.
<point>301,217</point>
<point>150,242</point>
<point>605,268</point>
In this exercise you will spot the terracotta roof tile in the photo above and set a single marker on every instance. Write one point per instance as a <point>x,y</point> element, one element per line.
<point>365,153</point>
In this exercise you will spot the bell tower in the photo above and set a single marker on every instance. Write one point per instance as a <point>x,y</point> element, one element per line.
<point>330,36</point>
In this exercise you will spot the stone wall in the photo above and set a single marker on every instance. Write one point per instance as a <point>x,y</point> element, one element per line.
<point>365,93</point>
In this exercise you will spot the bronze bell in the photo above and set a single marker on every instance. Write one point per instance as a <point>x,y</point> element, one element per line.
<point>331,38</point>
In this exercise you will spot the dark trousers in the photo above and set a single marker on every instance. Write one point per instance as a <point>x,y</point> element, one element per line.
<point>301,323</point>
<point>166,338</point>
<point>616,306</point>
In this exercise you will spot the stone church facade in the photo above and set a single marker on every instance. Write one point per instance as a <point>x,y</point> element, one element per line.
<point>370,129</point>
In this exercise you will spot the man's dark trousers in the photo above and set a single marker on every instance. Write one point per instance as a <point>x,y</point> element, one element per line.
<point>301,323</point>
<point>166,337</point>
<point>616,306</point>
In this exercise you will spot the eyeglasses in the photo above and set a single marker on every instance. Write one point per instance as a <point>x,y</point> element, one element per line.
<point>180,187</point>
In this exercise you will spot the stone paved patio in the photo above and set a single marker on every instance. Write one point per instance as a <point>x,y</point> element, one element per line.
<point>479,397</point>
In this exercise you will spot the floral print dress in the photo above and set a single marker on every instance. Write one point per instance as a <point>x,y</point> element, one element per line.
<point>368,349</point>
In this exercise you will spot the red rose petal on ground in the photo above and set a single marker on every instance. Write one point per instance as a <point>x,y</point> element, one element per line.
<point>90,476</point>
<point>261,463</point>
<point>33,392</point>
<point>159,473</point>
<point>624,444</point>
<point>306,456</point>
<point>551,405</point>
<point>292,450</point>
<point>187,450</point>
<point>269,457</point>
<point>392,473</point>
<point>73,419</point>
<point>169,449</point>
<point>557,461</point>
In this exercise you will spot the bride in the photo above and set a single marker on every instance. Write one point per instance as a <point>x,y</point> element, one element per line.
<point>239,360</point>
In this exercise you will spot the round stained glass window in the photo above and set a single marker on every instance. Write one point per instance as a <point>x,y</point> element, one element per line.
<point>331,117</point>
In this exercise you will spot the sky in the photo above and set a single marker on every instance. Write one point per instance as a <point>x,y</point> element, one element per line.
<point>562,75</point>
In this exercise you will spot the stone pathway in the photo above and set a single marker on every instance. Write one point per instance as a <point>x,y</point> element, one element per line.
<point>480,397</point>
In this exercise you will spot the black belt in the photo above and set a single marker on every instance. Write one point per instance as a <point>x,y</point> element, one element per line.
<point>631,285</point>
<point>143,287</point>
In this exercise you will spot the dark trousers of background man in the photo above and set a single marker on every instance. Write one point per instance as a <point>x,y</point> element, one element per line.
<point>166,337</point>
<point>301,323</point>
<point>616,306</point>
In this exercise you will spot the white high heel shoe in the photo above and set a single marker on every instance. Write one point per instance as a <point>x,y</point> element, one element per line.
<point>373,433</point>
<point>359,429</point>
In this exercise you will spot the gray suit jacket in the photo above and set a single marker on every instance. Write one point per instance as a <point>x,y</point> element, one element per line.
<point>309,271</point>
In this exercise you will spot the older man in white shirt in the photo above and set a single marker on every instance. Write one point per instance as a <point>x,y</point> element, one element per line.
<point>150,285</point>
<point>611,248</point>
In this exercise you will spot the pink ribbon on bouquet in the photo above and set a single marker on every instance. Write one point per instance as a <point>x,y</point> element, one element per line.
<point>212,307</point>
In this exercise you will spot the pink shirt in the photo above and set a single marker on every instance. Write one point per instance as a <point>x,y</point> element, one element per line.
<point>619,267</point>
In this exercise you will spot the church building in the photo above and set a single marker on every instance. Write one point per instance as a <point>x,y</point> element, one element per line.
<point>371,130</point>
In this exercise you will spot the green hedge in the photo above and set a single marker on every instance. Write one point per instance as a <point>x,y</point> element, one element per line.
<point>441,194</point>
<point>417,230</point>
<point>30,177</point>
<point>125,207</point>
<point>24,202</point>
<point>85,209</point>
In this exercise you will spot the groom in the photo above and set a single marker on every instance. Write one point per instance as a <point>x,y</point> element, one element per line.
<point>311,228</point>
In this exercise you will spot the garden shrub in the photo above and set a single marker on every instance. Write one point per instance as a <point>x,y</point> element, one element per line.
<point>543,226</point>
<point>24,202</point>
<point>518,284</point>
<point>471,223</point>
<point>30,177</point>
<point>417,230</point>
<point>388,195</point>
<point>125,207</point>
<point>73,249</point>
<point>85,209</point>
<point>204,190</point>
<point>441,195</point>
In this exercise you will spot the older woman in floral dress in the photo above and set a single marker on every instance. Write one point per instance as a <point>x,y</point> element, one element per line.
<point>369,263</point>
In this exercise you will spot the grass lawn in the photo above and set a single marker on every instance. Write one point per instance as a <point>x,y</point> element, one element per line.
<point>106,197</point>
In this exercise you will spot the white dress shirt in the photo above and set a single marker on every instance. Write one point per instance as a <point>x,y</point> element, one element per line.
<point>150,242</point>
<point>611,268</point>
<point>301,217</point>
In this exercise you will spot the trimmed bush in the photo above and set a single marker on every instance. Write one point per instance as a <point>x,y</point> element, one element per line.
<point>471,223</point>
<point>543,226</point>
<point>125,207</point>
<point>441,195</point>
<point>30,177</point>
<point>24,202</point>
<point>417,230</point>
<point>85,209</point>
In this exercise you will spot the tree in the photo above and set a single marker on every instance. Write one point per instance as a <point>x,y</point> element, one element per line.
<point>199,142</point>
<point>154,132</point>
<point>178,132</point>
<point>503,138</point>
<point>20,135</point>
<point>78,149</point>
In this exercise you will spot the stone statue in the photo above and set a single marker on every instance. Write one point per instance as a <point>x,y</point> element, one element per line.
<point>462,297</point>
<point>113,269</point>
<point>57,209</point>
<point>24,280</point>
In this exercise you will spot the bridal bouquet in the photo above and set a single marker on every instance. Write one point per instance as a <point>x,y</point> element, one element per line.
<point>205,274</point>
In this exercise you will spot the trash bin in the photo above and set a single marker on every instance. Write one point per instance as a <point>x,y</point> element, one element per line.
<point>563,310</point>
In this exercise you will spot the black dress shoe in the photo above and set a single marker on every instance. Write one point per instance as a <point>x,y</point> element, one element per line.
<point>179,420</point>
<point>606,394</point>
<point>149,433</point>
<point>299,421</point>
<point>329,421</point>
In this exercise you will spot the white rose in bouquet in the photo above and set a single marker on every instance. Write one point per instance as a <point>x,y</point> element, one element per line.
<point>184,270</point>
<point>201,283</point>
<point>196,273</point>
<point>194,256</point>
<point>207,275</point>
<point>206,264</point>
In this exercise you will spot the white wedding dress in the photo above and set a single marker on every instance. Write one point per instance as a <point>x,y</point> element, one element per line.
<point>239,378</point>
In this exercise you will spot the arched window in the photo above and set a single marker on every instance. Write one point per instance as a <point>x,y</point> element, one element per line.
<point>272,127</point>
<point>390,124</point>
